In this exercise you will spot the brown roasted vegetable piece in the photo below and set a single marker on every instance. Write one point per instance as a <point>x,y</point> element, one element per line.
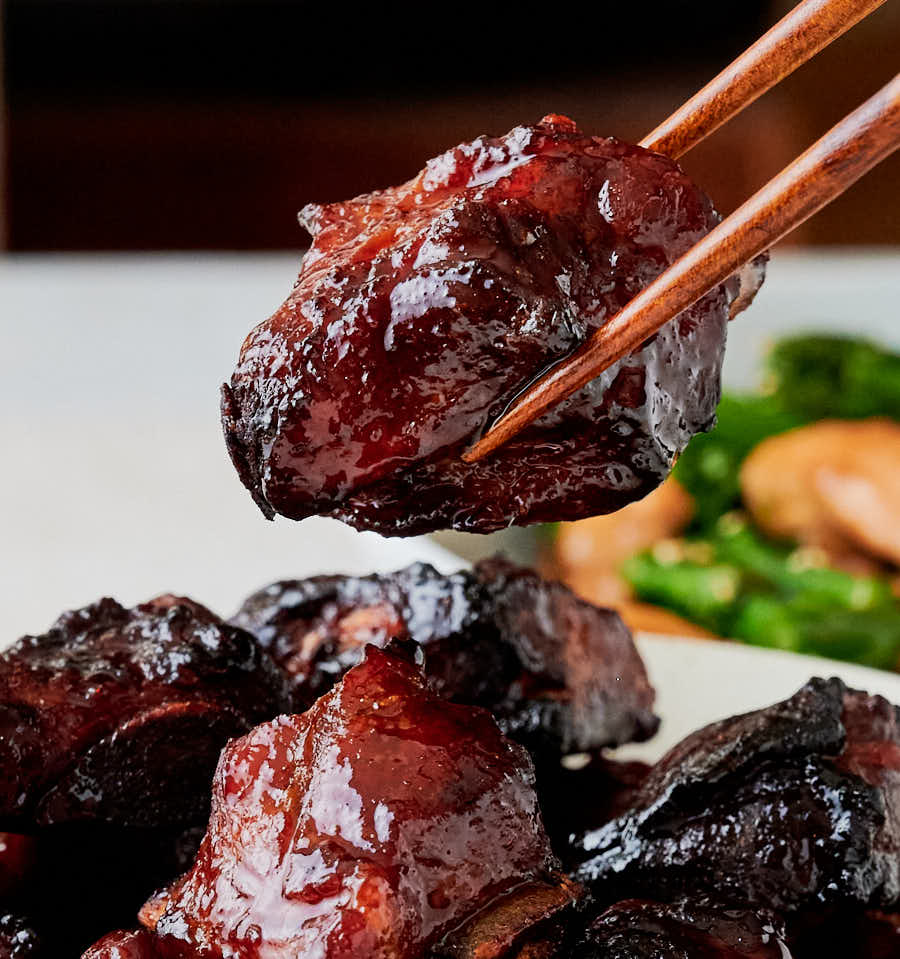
<point>421,311</point>
<point>637,929</point>
<point>372,825</point>
<point>560,674</point>
<point>111,725</point>
<point>832,484</point>
<point>793,807</point>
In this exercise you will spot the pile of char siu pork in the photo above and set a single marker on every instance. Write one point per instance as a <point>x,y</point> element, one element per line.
<point>413,765</point>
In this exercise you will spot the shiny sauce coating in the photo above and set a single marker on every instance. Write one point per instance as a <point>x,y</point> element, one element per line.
<point>421,311</point>
<point>370,825</point>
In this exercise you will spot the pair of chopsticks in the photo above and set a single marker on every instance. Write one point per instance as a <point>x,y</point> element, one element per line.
<point>814,179</point>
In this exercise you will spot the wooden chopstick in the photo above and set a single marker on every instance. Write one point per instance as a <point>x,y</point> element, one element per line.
<point>806,30</point>
<point>814,179</point>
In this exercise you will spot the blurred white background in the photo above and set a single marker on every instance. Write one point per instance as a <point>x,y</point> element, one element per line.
<point>115,479</point>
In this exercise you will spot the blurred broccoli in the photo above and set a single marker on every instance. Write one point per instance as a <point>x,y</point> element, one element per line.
<point>703,593</point>
<point>834,376</point>
<point>743,586</point>
<point>869,637</point>
<point>709,468</point>
<point>734,581</point>
<point>771,567</point>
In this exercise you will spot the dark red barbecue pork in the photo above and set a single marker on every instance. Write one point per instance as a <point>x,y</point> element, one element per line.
<point>421,311</point>
<point>559,674</point>
<point>118,715</point>
<point>111,724</point>
<point>373,825</point>
<point>794,808</point>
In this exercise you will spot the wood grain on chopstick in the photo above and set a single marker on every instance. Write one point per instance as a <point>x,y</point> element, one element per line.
<point>806,30</point>
<point>823,172</point>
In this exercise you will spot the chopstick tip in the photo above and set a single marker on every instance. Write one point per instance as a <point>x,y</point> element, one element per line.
<point>476,451</point>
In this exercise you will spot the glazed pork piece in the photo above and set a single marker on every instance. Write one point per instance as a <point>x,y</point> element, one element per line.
<point>111,724</point>
<point>639,929</point>
<point>372,825</point>
<point>583,792</point>
<point>139,944</point>
<point>118,715</point>
<point>794,807</point>
<point>421,311</point>
<point>559,674</point>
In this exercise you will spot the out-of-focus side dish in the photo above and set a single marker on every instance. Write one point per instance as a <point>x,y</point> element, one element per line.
<point>780,528</point>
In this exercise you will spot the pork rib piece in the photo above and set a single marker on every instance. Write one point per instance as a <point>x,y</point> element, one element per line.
<point>371,825</point>
<point>118,715</point>
<point>559,674</point>
<point>638,929</point>
<point>111,724</point>
<point>793,807</point>
<point>421,311</point>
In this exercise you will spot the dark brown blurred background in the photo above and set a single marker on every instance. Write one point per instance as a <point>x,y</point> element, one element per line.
<point>180,124</point>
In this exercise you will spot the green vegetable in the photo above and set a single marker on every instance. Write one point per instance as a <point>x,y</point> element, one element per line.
<point>767,621</point>
<point>546,533</point>
<point>783,571</point>
<point>701,593</point>
<point>729,578</point>
<point>740,585</point>
<point>817,377</point>
<point>869,637</point>
<point>708,469</point>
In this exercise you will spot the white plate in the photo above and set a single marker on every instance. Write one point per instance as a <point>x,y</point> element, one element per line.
<point>114,475</point>
<point>700,681</point>
<point>115,481</point>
